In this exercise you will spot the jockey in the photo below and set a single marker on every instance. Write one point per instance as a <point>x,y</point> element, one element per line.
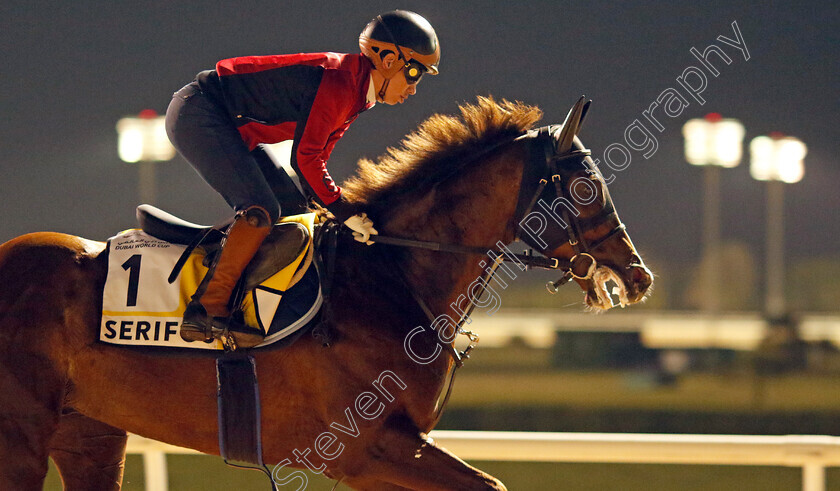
<point>218,121</point>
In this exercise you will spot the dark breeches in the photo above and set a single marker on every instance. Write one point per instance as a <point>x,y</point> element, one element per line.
<point>205,136</point>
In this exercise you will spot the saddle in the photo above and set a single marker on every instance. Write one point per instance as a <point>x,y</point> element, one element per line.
<point>153,271</point>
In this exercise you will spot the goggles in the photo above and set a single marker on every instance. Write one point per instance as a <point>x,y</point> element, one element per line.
<point>413,71</point>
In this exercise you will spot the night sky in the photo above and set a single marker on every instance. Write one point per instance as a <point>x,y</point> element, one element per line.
<point>70,70</point>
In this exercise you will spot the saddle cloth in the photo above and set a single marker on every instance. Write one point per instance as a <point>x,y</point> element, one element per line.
<point>141,308</point>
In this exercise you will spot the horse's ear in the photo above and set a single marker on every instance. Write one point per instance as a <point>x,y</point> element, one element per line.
<point>583,114</point>
<point>572,125</point>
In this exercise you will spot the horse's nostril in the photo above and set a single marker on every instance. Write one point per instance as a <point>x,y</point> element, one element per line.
<point>641,278</point>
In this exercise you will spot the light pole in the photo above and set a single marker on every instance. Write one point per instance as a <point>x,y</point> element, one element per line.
<point>143,140</point>
<point>776,159</point>
<point>712,142</point>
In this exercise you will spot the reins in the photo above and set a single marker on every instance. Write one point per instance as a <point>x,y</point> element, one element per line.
<point>528,258</point>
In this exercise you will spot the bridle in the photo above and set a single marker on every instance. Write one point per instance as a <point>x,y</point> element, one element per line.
<point>544,166</point>
<point>548,167</point>
<point>558,168</point>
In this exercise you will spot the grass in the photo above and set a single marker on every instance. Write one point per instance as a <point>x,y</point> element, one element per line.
<point>522,376</point>
<point>638,390</point>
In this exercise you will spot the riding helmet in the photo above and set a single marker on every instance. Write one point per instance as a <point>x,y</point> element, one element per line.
<point>406,34</point>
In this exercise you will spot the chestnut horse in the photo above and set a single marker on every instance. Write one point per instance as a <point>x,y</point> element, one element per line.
<point>358,410</point>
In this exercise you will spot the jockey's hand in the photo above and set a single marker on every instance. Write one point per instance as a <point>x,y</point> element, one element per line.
<point>362,227</point>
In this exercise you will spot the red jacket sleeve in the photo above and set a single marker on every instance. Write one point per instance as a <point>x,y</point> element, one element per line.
<point>327,121</point>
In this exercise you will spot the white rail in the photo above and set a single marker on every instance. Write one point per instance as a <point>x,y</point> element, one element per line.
<point>812,453</point>
<point>658,329</point>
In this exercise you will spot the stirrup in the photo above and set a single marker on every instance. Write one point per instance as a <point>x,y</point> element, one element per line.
<point>198,326</point>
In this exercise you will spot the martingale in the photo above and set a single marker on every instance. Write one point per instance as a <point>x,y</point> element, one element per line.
<point>140,307</point>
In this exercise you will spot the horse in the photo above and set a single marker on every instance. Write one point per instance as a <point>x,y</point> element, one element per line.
<point>360,409</point>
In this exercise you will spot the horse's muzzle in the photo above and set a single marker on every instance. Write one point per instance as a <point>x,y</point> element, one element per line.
<point>610,286</point>
<point>639,280</point>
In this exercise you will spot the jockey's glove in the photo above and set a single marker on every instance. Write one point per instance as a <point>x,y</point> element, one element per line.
<point>362,227</point>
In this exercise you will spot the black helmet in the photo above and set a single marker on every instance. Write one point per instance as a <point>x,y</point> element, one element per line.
<point>405,34</point>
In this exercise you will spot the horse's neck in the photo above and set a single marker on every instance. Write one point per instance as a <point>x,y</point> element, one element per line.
<point>475,209</point>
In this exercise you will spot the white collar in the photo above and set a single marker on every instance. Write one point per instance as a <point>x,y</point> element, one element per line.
<point>371,93</point>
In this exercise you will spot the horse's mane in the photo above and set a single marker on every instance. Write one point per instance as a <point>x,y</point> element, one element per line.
<point>427,155</point>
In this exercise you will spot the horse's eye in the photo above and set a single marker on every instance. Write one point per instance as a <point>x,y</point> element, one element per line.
<point>584,191</point>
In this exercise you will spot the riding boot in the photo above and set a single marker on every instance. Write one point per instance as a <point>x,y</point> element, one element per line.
<point>208,315</point>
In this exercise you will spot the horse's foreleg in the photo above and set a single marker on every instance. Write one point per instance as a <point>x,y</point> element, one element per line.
<point>404,456</point>
<point>30,398</point>
<point>23,454</point>
<point>89,454</point>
